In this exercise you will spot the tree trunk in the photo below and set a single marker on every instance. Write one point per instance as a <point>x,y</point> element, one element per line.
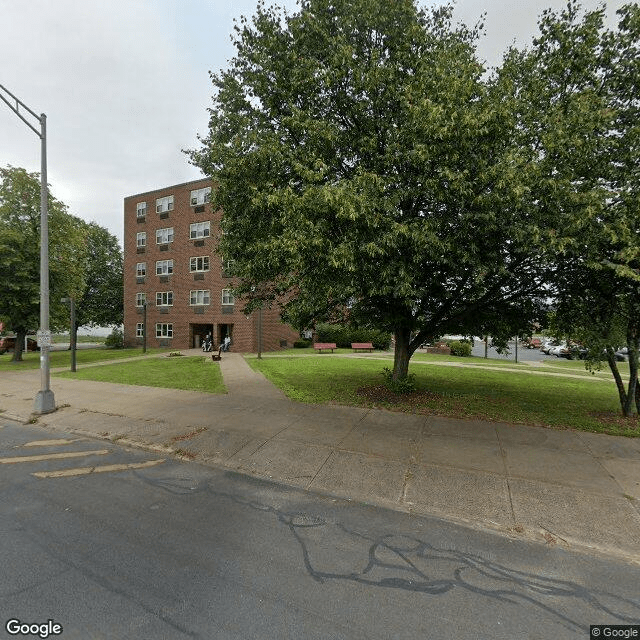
<point>17,351</point>
<point>622,394</point>
<point>632,395</point>
<point>402,354</point>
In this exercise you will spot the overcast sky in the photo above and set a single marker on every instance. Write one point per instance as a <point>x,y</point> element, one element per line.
<point>125,86</point>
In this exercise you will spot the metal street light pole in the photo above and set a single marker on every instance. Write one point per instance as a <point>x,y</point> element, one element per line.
<point>44,401</point>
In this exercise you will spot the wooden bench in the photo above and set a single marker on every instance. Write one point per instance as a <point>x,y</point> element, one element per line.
<point>319,346</point>
<point>217,356</point>
<point>361,346</point>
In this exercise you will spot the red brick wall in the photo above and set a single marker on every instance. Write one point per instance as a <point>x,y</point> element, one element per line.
<point>188,321</point>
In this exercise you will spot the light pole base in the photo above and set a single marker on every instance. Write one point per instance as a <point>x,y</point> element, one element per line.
<point>44,402</point>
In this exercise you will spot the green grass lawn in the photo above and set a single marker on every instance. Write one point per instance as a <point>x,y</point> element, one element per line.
<point>590,405</point>
<point>187,373</point>
<point>31,359</point>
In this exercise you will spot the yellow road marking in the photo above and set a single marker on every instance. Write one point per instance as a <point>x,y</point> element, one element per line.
<point>82,471</point>
<point>53,456</point>
<point>48,443</point>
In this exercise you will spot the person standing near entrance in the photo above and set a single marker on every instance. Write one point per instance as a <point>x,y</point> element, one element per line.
<point>227,342</point>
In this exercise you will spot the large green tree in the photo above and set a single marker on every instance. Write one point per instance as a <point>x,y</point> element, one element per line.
<point>20,254</point>
<point>101,302</point>
<point>366,167</point>
<point>578,91</point>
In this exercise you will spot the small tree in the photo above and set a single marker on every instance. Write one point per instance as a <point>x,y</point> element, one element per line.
<point>578,91</point>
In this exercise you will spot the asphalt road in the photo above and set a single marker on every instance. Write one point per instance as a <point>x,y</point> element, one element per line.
<point>177,550</point>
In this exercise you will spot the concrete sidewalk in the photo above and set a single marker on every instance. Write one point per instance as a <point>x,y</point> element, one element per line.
<point>567,488</point>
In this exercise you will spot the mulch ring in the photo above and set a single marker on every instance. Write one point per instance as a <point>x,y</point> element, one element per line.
<point>615,418</point>
<point>380,394</point>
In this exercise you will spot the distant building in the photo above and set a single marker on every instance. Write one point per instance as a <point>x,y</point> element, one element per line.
<point>170,265</point>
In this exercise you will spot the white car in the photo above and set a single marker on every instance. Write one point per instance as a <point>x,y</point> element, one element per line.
<point>558,350</point>
<point>548,345</point>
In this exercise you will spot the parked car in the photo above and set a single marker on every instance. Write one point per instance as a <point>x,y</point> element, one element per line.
<point>577,352</point>
<point>622,355</point>
<point>558,350</point>
<point>548,345</point>
<point>532,343</point>
<point>8,343</point>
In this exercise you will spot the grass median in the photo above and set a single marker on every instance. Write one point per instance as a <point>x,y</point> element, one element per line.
<point>187,373</point>
<point>529,397</point>
<point>31,359</point>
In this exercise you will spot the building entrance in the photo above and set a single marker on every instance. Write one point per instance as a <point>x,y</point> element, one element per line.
<point>198,333</point>
<point>224,330</point>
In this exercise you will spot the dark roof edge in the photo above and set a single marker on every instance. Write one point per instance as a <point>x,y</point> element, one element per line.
<point>171,186</point>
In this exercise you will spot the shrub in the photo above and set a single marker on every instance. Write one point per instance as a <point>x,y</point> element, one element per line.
<point>115,340</point>
<point>406,385</point>
<point>301,344</point>
<point>343,335</point>
<point>460,348</point>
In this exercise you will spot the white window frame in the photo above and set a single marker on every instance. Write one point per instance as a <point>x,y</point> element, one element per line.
<point>228,296</point>
<point>193,264</point>
<point>164,330</point>
<point>164,298</point>
<point>199,297</point>
<point>141,269</point>
<point>164,236</point>
<point>141,209</point>
<point>200,196</point>
<point>199,230</point>
<point>141,298</point>
<point>140,330</point>
<point>141,239</point>
<point>164,267</point>
<point>164,204</point>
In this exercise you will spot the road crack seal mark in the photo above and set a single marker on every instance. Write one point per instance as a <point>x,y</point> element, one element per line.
<point>408,563</point>
<point>189,435</point>
<point>398,561</point>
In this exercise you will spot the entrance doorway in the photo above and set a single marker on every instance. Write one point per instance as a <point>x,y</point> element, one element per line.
<point>198,333</point>
<point>224,330</point>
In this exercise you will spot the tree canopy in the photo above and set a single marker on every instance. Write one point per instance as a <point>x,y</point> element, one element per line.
<point>85,262</point>
<point>578,90</point>
<point>366,167</point>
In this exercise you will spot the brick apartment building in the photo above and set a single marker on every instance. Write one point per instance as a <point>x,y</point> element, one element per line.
<point>170,266</point>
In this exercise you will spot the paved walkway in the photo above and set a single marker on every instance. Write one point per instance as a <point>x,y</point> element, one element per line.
<point>564,488</point>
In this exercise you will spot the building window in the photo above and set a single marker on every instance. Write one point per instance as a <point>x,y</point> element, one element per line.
<point>164,330</point>
<point>141,239</point>
<point>227,268</point>
<point>200,196</point>
<point>141,209</point>
<point>141,298</point>
<point>140,330</point>
<point>164,204</point>
<point>163,236</point>
<point>164,267</point>
<point>199,230</point>
<point>200,263</point>
<point>141,269</point>
<point>199,296</point>
<point>227,298</point>
<point>164,298</point>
